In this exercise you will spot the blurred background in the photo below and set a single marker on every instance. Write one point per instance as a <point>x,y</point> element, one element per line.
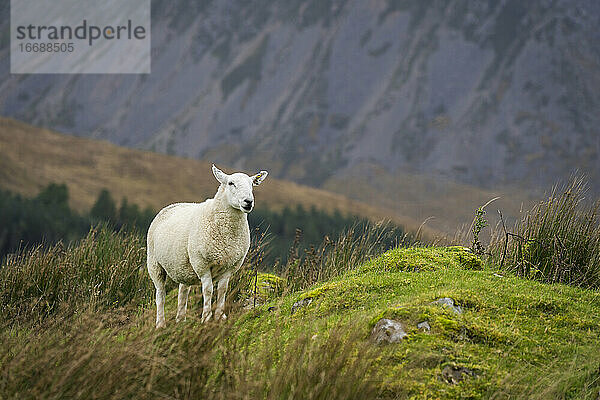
<point>410,111</point>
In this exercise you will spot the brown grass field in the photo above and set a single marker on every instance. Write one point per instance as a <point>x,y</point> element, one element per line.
<point>446,205</point>
<point>31,158</point>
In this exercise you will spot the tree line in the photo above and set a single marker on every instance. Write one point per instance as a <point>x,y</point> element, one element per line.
<point>47,219</point>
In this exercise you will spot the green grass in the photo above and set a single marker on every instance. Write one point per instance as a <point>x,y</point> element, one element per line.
<point>520,338</point>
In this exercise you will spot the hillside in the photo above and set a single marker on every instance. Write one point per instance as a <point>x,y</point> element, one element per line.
<point>486,93</point>
<point>30,158</point>
<point>503,338</point>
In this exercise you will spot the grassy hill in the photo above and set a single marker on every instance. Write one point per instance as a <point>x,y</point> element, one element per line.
<point>31,157</point>
<point>79,323</point>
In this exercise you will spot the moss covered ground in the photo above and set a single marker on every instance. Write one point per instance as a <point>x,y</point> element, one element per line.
<point>519,338</point>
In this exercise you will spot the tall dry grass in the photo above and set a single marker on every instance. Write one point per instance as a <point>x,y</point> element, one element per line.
<point>99,272</point>
<point>333,257</point>
<point>558,240</point>
<point>88,358</point>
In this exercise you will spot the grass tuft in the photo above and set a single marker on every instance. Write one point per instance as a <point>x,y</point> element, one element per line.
<point>557,241</point>
<point>333,258</point>
<point>104,270</point>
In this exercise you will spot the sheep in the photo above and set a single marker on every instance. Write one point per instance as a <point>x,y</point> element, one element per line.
<point>194,243</point>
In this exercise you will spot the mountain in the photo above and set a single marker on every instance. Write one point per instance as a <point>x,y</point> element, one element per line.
<point>487,93</point>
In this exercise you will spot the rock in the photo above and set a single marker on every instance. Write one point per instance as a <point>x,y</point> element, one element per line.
<point>249,303</point>
<point>449,303</point>
<point>424,326</point>
<point>301,303</point>
<point>388,331</point>
<point>453,375</point>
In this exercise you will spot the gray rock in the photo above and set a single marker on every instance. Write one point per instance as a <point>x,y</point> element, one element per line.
<point>453,375</point>
<point>388,331</point>
<point>424,326</point>
<point>449,303</point>
<point>301,303</point>
<point>249,303</point>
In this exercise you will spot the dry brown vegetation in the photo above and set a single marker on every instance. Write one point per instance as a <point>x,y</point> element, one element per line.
<point>449,204</point>
<point>32,157</point>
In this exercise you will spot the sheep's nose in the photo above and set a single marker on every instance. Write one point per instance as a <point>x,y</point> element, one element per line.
<point>248,202</point>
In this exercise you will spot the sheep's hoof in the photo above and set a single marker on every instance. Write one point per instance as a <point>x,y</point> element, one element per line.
<point>220,316</point>
<point>207,317</point>
<point>179,318</point>
<point>161,324</point>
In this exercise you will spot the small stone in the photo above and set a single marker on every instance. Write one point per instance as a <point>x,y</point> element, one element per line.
<point>301,303</point>
<point>453,375</point>
<point>249,303</point>
<point>424,326</point>
<point>448,302</point>
<point>388,331</point>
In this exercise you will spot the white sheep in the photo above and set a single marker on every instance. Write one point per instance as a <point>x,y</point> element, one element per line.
<point>195,243</point>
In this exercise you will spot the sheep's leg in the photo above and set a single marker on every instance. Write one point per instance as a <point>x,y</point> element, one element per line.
<point>158,276</point>
<point>207,292</point>
<point>221,291</point>
<point>182,298</point>
<point>160,306</point>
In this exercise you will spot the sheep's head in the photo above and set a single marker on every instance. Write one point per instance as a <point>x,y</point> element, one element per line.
<point>238,188</point>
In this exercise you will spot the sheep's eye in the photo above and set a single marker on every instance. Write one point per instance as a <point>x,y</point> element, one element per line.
<point>231,184</point>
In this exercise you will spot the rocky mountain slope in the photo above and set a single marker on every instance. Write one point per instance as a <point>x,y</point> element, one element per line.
<point>487,93</point>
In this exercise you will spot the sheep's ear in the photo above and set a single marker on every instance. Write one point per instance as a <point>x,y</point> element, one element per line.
<point>258,178</point>
<point>220,175</point>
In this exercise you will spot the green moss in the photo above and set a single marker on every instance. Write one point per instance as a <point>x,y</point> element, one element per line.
<point>447,324</point>
<point>465,257</point>
<point>418,259</point>
<point>269,285</point>
<point>319,290</point>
